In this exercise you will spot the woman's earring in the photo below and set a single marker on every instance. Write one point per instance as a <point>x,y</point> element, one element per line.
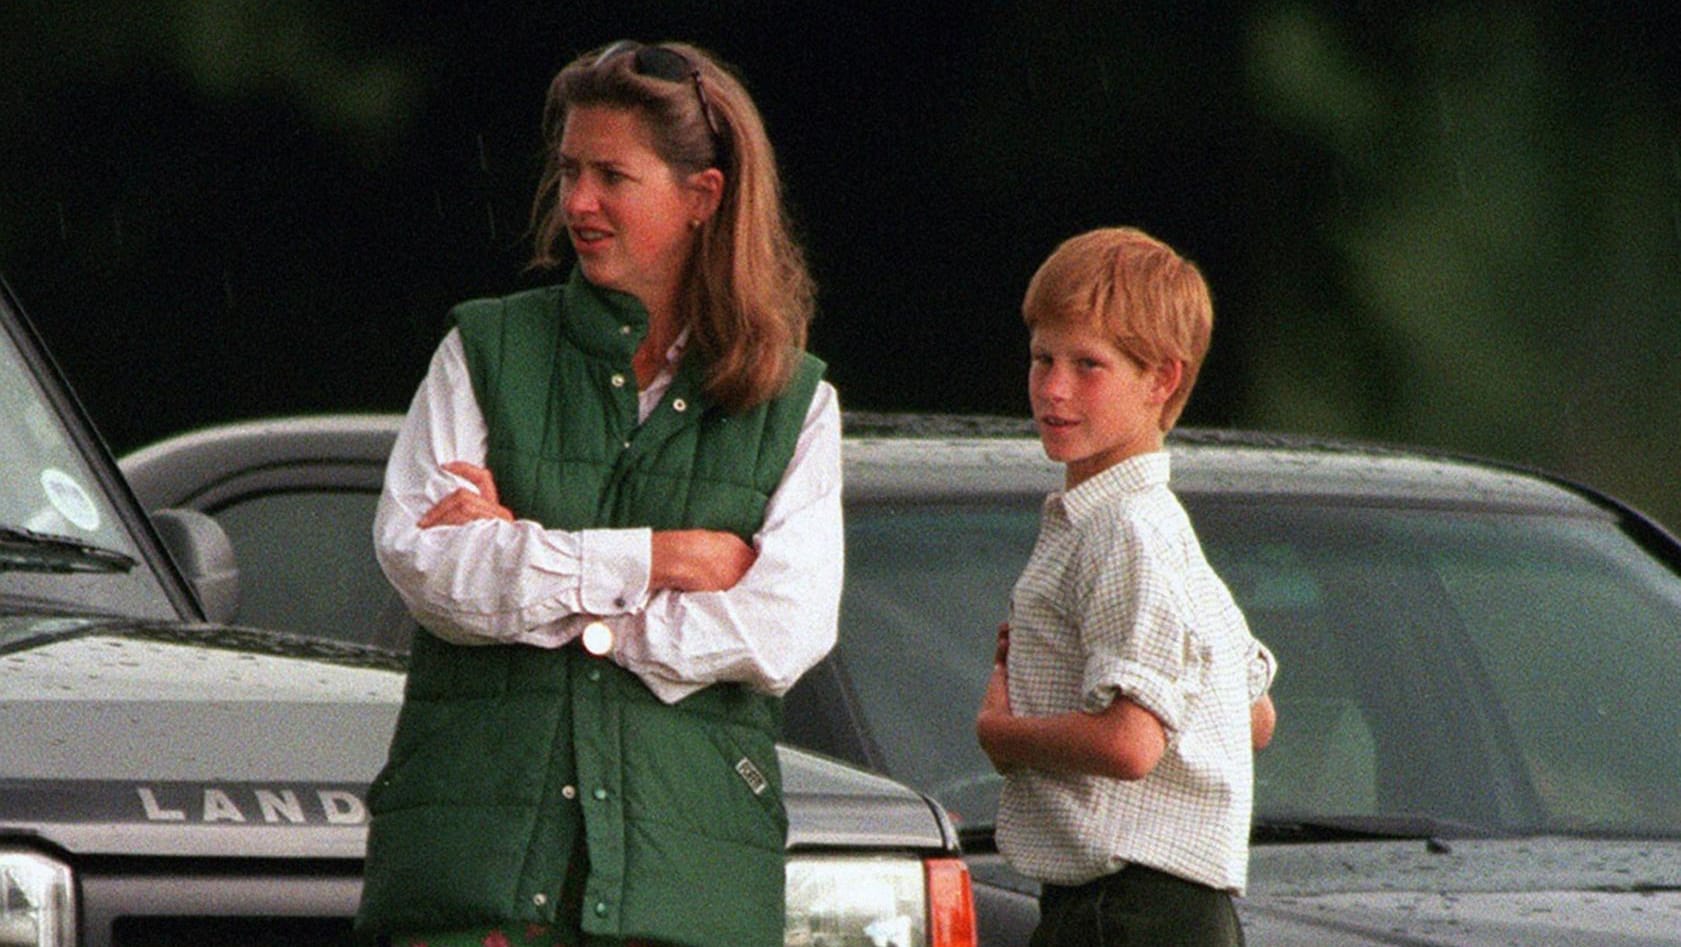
<point>694,223</point>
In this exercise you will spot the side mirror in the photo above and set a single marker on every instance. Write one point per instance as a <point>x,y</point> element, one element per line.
<point>202,551</point>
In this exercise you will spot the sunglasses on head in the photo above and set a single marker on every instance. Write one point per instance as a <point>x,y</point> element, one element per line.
<point>659,62</point>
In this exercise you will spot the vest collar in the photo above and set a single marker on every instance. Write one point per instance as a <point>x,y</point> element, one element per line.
<point>607,324</point>
<point>603,323</point>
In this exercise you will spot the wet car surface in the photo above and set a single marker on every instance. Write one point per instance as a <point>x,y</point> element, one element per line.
<point>1481,665</point>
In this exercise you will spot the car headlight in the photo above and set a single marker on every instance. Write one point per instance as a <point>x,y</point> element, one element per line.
<point>896,901</point>
<point>37,908</point>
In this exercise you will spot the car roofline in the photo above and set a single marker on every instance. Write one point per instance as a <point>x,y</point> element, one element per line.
<point>1000,456</point>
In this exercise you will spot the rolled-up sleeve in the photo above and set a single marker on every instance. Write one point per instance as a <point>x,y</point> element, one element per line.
<point>1134,629</point>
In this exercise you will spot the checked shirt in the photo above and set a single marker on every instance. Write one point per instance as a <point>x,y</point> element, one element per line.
<point>1117,600</point>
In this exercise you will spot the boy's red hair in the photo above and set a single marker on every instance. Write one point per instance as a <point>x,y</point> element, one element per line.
<point>1150,301</point>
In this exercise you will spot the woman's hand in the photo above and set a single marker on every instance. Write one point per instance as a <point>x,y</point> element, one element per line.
<point>465,505</point>
<point>698,560</point>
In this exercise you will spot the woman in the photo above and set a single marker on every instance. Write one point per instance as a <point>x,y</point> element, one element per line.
<point>614,507</point>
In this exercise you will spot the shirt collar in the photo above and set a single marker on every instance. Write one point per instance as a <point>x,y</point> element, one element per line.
<point>679,345</point>
<point>1133,475</point>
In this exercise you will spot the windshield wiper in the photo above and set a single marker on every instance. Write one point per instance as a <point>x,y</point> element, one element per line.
<point>25,550</point>
<point>978,838</point>
<point>1370,828</point>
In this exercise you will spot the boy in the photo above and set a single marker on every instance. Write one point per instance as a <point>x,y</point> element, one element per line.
<point>1127,694</point>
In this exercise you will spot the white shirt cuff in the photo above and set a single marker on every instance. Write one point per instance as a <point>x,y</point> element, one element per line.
<point>615,568</point>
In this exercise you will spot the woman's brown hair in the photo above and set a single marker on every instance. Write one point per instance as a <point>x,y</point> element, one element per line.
<point>748,297</point>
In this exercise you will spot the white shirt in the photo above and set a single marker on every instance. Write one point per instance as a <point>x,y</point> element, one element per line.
<point>1117,600</point>
<point>495,582</point>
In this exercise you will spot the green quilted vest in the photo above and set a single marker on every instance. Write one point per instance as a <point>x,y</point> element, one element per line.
<point>504,753</point>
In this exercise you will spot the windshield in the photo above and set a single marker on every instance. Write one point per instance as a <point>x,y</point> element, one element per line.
<point>1502,673</point>
<point>62,545</point>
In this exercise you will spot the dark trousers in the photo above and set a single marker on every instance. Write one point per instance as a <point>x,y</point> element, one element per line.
<point>1136,907</point>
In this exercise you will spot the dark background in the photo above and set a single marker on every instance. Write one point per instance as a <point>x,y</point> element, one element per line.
<point>1455,224</point>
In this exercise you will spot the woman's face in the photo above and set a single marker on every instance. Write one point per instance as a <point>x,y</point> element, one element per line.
<point>628,213</point>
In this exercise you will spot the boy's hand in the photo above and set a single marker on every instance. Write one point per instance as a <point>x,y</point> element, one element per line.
<point>1263,718</point>
<point>1001,652</point>
<point>995,706</point>
<point>996,700</point>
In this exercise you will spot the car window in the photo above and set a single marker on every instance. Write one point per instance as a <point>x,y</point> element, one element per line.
<point>49,490</point>
<point>306,564</point>
<point>926,588</point>
<point>1367,724</point>
<point>1580,632</point>
<point>1502,671</point>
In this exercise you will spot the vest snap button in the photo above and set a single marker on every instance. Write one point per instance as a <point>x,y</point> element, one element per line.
<point>601,908</point>
<point>570,792</point>
<point>539,899</point>
<point>679,405</point>
<point>624,330</point>
<point>601,795</point>
<point>618,381</point>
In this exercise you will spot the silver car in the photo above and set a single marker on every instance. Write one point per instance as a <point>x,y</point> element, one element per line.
<point>1479,736</point>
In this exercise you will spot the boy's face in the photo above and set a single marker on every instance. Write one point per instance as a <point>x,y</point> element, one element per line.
<point>1094,405</point>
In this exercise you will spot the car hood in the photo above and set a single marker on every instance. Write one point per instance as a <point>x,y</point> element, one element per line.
<point>1539,890</point>
<point>174,739</point>
<point>1544,890</point>
<point>1498,919</point>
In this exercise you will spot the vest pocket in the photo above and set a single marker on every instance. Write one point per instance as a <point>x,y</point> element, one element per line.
<point>751,756</point>
<point>705,777</point>
<point>465,753</point>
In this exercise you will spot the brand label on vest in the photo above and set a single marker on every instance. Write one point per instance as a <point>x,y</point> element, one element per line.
<point>750,774</point>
